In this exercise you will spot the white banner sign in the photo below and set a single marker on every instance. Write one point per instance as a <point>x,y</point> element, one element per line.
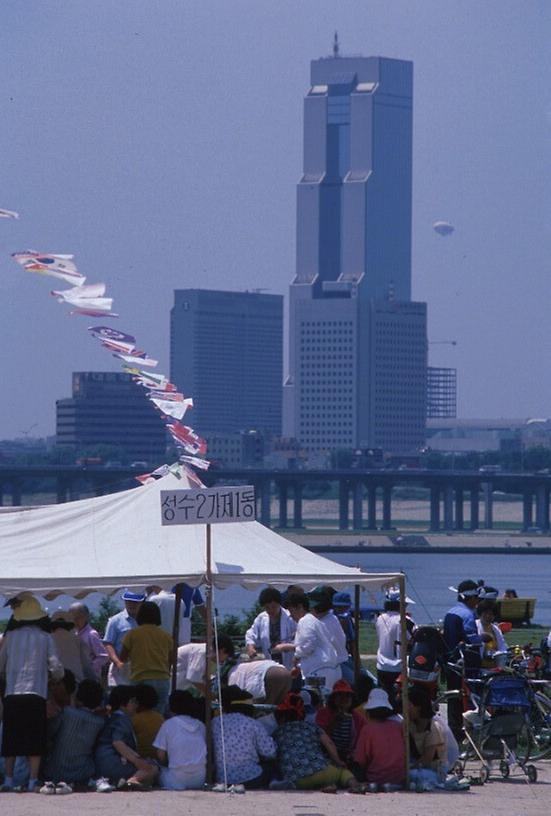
<point>212,505</point>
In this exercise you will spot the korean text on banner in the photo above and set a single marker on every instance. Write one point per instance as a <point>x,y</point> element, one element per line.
<point>213,505</point>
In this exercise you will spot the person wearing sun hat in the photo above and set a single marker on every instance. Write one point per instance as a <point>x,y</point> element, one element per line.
<point>27,659</point>
<point>339,720</point>
<point>117,627</point>
<point>380,752</point>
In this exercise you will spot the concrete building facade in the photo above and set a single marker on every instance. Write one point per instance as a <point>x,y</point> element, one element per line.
<point>226,350</point>
<point>108,408</point>
<point>358,346</point>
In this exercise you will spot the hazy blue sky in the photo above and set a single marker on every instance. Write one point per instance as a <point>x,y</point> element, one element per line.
<point>161,141</point>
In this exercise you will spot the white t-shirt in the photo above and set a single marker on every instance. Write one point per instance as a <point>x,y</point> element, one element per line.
<point>184,739</point>
<point>313,646</point>
<point>190,664</point>
<point>388,634</point>
<point>336,635</point>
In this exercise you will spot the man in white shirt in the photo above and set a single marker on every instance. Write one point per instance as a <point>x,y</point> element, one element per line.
<point>389,658</point>
<point>271,628</point>
<point>320,600</point>
<point>314,651</point>
<point>166,601</point>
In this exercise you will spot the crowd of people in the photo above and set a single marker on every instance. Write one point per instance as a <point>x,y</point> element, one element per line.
<point>85,712</point>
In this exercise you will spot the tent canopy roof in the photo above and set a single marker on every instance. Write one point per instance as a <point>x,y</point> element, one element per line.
<point>114,541</point>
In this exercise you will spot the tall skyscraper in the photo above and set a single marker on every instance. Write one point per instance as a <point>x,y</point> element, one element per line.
<point>226,351</point>
<point>108,408</point>
<point>441,393</point>
<point>358,347</point>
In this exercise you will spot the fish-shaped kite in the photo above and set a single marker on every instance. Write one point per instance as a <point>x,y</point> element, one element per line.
<point>172,408</point>
<point>49,263</point>
<point>186,438</point>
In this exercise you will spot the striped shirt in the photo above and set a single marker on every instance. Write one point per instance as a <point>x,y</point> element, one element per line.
<point>74,734</point>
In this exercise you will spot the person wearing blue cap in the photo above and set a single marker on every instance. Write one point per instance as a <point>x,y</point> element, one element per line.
<point>116,629</point>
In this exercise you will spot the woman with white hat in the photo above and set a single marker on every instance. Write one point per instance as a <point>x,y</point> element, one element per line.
<point>27,658</point>
<point>389,657</point>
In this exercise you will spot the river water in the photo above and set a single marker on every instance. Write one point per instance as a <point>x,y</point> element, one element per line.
<point>429,575</point>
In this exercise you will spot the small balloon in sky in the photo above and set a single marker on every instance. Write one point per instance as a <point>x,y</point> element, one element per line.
<point>443,228</point>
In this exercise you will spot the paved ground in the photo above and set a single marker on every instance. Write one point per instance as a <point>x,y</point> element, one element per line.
<point>513,797</point>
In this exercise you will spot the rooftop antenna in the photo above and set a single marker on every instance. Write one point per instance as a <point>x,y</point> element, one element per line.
<point>336,44</point>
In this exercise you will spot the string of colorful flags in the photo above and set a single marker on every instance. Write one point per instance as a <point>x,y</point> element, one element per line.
<point>90,300</point>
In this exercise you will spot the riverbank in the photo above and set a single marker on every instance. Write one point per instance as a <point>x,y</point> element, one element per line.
<point>482,541</point>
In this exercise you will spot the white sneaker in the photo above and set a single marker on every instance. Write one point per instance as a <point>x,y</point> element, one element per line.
<point>48,788</point>
<point>237,789</point>
<point>104,786</point>
<point>63,788</point>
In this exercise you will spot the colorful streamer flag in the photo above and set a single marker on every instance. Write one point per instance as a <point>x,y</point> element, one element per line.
<point>192,476</point>
<point>8,213</point>
<point>139,358</point>
<point>171,408</point>
<point>118,346</point>
<point>186,438</point>
<point>56,266</point>
<point>86,297</point>
<point>202,464</point>
<point>107,333</point>
<point>173,396</point>
<point>148,379</point>
<point>93,312</point>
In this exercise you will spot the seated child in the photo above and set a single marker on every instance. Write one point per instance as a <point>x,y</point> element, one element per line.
<point>116,756</point>
<point>182,744</point>
<point>301,748</point>
<point>247,744</point>
<point>146,721</point>
<point>73,734</point>
<point>428,748</point>
<point>339,720</point>
<point>380,754</point>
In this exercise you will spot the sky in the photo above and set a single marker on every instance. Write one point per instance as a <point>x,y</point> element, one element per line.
<point>160,141</point>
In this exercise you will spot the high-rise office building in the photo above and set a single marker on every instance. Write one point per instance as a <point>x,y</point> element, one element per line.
<point>226,351</point>
<point>441,393</point>
<point>358,346</point>
<point>108,408</point>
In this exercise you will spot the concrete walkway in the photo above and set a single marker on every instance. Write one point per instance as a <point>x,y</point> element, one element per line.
<point>513,797</point>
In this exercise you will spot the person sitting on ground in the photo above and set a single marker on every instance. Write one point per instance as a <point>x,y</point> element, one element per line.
<point>116,756</point>
<point>147,720</point>
<point>241,744</point>
<point>427,739</point>
<point>272,628</point>
<point>364,686</point>
<point>379,755</point>
<point>61,694</point>
<point>340,721</point>
<point>149,650</point>
<point>182,744</point>
<point>72,735</point>
<point>27,658</point>
<point>486,611</point>
<point>307,756</point>
<point>94,648</point>
<point>314,652</point>
<point>71,651</point>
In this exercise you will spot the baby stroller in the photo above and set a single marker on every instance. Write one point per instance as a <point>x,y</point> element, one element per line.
<point>498,730</point>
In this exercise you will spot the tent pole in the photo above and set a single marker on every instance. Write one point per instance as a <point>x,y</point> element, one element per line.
<point>176,635</point>
<point>357,659</point>
<point>404,656</point>
<point>208,654</point>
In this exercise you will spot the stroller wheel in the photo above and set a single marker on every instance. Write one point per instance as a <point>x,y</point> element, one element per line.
<point>504,769</point>
<point>484,774</point>
<point>532,773</point>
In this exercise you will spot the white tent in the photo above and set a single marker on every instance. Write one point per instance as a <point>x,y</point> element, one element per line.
<point>115,541</point>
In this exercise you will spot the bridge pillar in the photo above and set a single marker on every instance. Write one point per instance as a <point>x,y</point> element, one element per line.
<point>282,493</point>
<point>488,491</point>
<point>1,495</point>
<point>475,522</point>
<point>357,502</point>
<point>372,507</point>
<point>542,507</point>
<point>16,492</point>
<point>448,507</point>
<point>297,504</point>
<point>459,508</point>
<point>434,508</point>
<point>387,507</point>
<point>527,509</point>
<point>265,497</point>
<point>344,491</point>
